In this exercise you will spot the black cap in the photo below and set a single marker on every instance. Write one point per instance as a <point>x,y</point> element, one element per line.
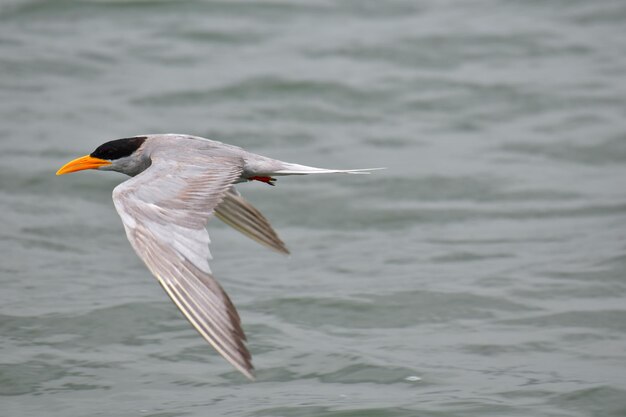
<point>118,148</point>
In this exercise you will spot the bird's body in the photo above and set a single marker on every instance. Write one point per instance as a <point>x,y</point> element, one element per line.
<point>178,182</point>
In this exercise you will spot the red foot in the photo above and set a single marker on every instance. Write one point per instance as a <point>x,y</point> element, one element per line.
<point>267,180</point>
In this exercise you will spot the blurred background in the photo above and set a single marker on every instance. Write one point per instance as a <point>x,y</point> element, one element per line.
<point>483,273</point>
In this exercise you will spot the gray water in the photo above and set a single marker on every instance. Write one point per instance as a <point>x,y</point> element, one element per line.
<point>483,273</point>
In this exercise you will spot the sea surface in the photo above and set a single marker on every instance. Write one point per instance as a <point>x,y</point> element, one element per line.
<point>483,273</point>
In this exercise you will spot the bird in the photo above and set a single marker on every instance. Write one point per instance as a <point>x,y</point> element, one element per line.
<point>178,183</point>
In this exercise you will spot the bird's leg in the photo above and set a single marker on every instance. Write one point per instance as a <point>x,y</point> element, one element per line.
<point>267,180</point>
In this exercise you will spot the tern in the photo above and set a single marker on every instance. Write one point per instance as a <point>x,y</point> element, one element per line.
<point>178,183</point>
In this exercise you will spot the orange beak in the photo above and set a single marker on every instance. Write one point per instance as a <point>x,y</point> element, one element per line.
<point>84,162</point>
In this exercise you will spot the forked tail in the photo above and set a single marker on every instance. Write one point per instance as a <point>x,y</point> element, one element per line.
<point>296,169</point>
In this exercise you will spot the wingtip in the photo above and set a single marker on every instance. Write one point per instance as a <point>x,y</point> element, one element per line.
<point>280,248</point>
<point>247,371</point>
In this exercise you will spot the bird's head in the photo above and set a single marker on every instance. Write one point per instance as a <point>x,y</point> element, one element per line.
<point>121,155</point>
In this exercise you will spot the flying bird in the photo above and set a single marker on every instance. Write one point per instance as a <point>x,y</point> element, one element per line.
<point>178,182</point>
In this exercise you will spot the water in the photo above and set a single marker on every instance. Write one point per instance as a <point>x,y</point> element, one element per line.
<point>483,273</point>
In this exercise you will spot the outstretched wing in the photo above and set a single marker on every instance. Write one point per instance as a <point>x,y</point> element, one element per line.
<point>238,213</point>
<point>165,210</point>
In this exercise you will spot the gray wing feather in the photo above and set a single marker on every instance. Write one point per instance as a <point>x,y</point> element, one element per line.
<point>238,213</point>
<point>165,210</point>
